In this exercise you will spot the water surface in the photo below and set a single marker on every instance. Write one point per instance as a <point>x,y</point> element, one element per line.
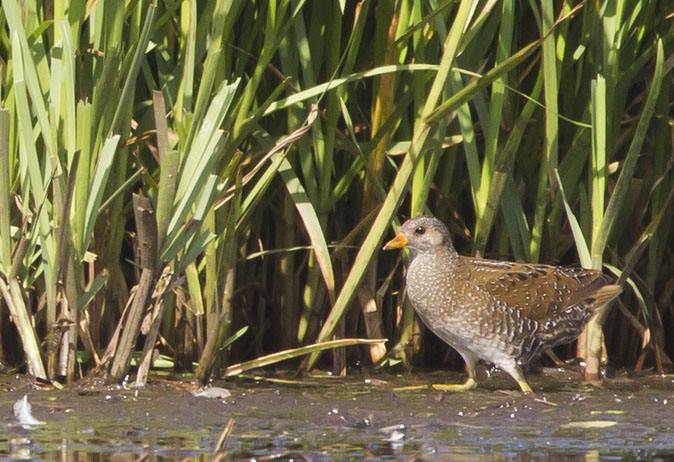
<point>364,417</point>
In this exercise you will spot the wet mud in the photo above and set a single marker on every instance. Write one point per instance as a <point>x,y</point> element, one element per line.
<point>362,417</point>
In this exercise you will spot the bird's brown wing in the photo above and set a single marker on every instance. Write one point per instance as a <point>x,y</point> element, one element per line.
<point>540,290</point>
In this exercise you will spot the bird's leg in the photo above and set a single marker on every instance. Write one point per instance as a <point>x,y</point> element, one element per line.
<point>469,384</point>
<point>516,373</point>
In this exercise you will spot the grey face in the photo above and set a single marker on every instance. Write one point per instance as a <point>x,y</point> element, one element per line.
<point>425,233</point>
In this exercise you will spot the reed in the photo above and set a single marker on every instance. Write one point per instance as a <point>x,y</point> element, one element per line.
<point>211,181</point>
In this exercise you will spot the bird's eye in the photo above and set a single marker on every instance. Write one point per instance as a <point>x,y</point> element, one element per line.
<point>420,230</point>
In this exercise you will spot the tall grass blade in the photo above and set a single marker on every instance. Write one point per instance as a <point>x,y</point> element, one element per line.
<point>131,77</point>
<point>236,369</point>
<point>550,151</point>
<point>5,198</point>
<point>98,185</point>
<point>630,163</point>
<point>581,244</point>
<point>598,166</point>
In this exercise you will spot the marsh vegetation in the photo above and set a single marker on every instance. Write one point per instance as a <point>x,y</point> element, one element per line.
<point>191,185</point>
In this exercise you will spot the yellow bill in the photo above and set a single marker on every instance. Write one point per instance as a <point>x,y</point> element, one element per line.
<point>397,242</point>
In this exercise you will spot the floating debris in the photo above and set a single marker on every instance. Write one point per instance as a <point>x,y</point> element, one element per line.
<point>212,392</point>
<point>608,411</point>
<point>591,424</point>
<point>391,428</point>
<point>23,415</point>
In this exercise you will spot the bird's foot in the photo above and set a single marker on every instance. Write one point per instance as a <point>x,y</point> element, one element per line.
<point>524,386</point>
<point>470,384</point>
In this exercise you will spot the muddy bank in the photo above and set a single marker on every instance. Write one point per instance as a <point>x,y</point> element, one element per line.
<point>373,416</point>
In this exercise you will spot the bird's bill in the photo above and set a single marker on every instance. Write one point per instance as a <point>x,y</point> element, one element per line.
<point>397,242</point>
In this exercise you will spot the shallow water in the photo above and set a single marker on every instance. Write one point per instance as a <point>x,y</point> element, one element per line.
<point>372,417</point>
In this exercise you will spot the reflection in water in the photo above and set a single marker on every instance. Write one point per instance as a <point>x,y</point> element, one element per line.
<point>319,446</point>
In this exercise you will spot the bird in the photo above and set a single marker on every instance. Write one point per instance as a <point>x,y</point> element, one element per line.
<point>502,312</point>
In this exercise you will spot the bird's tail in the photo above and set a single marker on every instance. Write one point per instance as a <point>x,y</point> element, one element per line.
<point>566,325</point>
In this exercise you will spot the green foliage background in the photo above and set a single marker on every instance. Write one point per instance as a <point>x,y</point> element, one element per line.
<point>172,172</point>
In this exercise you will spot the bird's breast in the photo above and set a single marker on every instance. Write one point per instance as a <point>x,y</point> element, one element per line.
<point>436,290</point>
